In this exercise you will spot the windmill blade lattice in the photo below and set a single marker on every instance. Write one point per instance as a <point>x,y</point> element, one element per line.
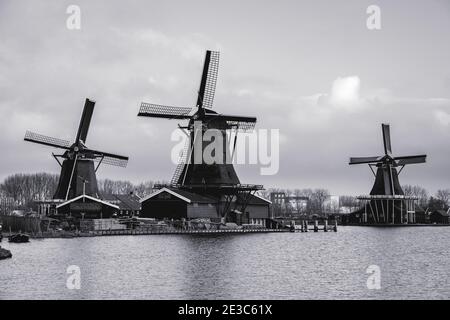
<point>386,139</point>
<point>160,111</point>
<point>46,140</point>
<point>209,80</point>
<point>401,161</point>
<point>85,121</point>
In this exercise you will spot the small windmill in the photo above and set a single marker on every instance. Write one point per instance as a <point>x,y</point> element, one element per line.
<point>78,173</point>
<point>386,178</point>
<point>387,186</point>
<point>189,173</point>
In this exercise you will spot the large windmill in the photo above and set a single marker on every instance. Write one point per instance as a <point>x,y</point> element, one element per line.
<point>218,179</point>
<point>78,172</point>
<point>387,200</point>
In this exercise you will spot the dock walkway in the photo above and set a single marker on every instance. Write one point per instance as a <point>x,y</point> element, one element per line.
<point>152,232</point>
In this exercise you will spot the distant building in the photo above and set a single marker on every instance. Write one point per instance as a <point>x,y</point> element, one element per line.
<point>422,216</point>
<point>129,204</point>
<point>440,217</point>
<point>7,205</point>
<point>47,207</point>
<point>284,204</point>
<point>91,207</point>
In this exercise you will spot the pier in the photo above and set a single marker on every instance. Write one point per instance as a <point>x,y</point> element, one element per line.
<point>155,232</point>
<point>304,226</point>
<point>171,231</point>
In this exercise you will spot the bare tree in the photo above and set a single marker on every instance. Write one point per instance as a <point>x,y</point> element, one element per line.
<point>350,202</point>
<point>444,196</point>
<point>25,188</point>
<point>318,198</point>
<point>417,191</point>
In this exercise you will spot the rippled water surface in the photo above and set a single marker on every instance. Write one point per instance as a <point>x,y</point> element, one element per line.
<point>414,264</point>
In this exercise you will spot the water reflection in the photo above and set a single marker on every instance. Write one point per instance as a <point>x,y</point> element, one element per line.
<point>413,261</point>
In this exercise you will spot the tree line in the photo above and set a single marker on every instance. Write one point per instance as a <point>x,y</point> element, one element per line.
<point>22,189</point>
<point>319,200</point>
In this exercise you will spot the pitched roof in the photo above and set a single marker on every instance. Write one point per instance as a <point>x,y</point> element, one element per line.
<point>442,213</point>
<point>87,197</point>
<point>124,201</point>
<point>256,199</point>
<point>183,195</point>
<point>195,197</point>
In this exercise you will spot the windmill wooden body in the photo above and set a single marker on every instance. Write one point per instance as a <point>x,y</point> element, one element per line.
<point>78,171</point>
<point>212,179</point>
<point>387,202</point>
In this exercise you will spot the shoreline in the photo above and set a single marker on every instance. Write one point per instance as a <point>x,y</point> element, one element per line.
<point>103,233</point>
<point>380,225</point>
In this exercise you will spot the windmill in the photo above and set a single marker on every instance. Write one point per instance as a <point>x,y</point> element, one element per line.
<point>78,172</point>
<point>387,185</point>
<point>197,175</point>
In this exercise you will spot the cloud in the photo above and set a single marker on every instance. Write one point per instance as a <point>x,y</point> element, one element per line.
<point>345,91</point>
<point>442,117</point>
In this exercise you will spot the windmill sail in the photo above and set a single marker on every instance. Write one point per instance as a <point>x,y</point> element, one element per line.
<point>110,158</point>
<point>209,79</point>
<point>386,139</point>
<point>85,121</point>
<point>181,163</point>
<point>401,161</point>
<point>360,160</point>
<point>160,111</point>
<point>46,140</point>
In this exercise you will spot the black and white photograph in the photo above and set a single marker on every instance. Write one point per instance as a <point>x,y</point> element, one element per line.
<point>246,151</point>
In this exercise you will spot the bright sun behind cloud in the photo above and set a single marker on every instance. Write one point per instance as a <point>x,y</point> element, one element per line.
<point>345,91</point>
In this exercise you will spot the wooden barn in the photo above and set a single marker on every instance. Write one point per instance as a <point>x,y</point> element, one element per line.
<point>259,210</point>
<point>178,204</point>
<point>171,203</point>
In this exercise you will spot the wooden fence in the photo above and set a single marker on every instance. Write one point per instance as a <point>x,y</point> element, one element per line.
<point>21,224</point>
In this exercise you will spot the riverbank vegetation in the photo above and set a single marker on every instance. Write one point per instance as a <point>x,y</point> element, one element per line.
<point>19,191</point>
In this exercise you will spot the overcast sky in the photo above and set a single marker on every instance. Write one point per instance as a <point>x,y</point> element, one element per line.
<point>311,69</point>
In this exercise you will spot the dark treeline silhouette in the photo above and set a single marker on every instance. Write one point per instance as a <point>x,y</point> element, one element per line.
<point>318,200</point>
<point>22,189</point>
<point>108,186</point>
<point>25,188</point>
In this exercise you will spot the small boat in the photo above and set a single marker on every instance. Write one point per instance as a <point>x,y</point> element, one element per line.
<point>5,254</point>
<point>19,238</point>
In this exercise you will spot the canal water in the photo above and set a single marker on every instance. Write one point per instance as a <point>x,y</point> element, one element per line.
<point>414,263</point>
